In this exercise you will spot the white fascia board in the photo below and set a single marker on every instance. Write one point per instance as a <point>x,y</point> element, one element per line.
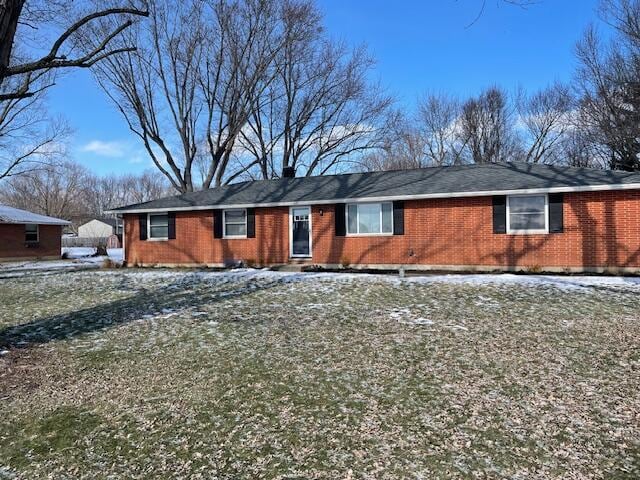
<point>60,223</point>
<point>426,196</point>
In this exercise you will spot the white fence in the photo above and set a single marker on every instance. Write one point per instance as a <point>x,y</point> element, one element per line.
<point>85,242</point>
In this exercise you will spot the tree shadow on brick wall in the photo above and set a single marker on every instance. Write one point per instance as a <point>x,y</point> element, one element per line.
<point>272,234</point>
<point>518,248</point>
<point>403,252</point>
<point>599,244</point>
<point>195,251</point>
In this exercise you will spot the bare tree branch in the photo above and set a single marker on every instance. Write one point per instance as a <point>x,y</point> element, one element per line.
<point>609,87</point>
<point>483,6</point>
<point>10,12</point>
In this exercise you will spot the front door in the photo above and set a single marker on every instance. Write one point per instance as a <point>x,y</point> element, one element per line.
<point>300,231</point>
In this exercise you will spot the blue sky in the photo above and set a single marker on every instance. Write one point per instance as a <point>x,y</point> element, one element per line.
<point>420,46</point>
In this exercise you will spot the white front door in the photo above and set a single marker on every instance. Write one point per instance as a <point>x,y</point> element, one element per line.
<point>300,231</point>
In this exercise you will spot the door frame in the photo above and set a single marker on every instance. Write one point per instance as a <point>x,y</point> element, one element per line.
<point>291,255</point>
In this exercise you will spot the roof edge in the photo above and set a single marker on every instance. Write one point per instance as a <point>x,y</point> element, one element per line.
<point>59,222</point>
<point>426,196</point>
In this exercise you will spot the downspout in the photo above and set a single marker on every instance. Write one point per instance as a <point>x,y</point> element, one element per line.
<point>124,236</point>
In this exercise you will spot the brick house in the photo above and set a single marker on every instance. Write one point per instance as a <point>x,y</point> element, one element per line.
<point>26,235</point>
<point>475,217</point>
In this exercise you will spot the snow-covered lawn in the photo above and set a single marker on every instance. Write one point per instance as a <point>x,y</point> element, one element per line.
<point>256,374</point>
<point>78,252</point>
<point>75,258</point>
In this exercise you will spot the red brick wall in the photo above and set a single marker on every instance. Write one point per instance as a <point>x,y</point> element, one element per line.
<point>601,229</point>
<point>12,244</point>
<point>194,242</point>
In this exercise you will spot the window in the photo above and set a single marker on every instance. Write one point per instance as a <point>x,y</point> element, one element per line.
<point>527,214</point>
<point>31,233</point>
<point>235,223</point>
<point>159,226</point>
<point>369,218</point>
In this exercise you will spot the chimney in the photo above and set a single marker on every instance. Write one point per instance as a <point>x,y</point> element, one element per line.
<point>288,172</point>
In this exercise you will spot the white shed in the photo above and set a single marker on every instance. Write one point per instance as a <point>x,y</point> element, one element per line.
<point>98,228</point>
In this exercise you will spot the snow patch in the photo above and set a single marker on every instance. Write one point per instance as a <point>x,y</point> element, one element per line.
<point>457,327</point>
<point>180,277</point>
<point>78,258</point>
<point>78,252</point>
<point>421,321</point>
<point>406,316</point>
<point>561,282</point>
<point>566,283</point>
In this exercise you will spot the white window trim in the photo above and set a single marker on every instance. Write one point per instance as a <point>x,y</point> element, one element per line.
<point>379,234</point>
<point>291,255</point>
<point>156,239</point>
<point>224,223</point>
<point>538,231</point>
<point>37,240</point>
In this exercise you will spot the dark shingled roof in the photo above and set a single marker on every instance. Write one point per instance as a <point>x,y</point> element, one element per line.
<point>433,181</point>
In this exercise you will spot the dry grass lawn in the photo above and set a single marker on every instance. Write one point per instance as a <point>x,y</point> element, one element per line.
<point>251,374</point>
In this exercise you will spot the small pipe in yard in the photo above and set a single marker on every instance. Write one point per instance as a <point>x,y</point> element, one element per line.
<point>401,272</point>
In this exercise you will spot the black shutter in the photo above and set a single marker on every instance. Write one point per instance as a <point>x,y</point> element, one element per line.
<point>171,217</point>
<point>251,223</point>
<point>556,212</point>
<point>340,219</point>
<point>500,214</point>
<point>142,225</point>
<point>217,224</point>
<point>398,217</point>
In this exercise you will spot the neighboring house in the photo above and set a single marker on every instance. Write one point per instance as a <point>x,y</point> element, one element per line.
<point>26,235</point>
<point>476,217</point>
<point>100,228</point>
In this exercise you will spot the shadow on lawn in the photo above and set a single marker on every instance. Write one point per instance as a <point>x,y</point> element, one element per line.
<point>69,325</point>
<point>35,273</point>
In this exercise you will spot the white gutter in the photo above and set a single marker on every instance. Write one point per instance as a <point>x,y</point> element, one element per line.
<point>124,236</point>
<point>61,223</point>
<point>426,196</point>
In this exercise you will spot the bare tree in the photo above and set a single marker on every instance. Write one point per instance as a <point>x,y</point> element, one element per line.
<point>187,91</point>
<point>68,190</point>
<point>402,147</point>
<point>545,118</point>
<point>106,192</point>
<point>490,128</point>
<point>221,90</point>
<point>608,81</point>
<point>29,138</point>
<point>580,149</point>
<point>439,123</point>
<point>487,126</point>
<point>320,111</point>
<point>430,137</point>
<point>55,190</point>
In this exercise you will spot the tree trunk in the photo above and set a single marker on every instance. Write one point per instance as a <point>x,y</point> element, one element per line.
<point>10,11</point>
